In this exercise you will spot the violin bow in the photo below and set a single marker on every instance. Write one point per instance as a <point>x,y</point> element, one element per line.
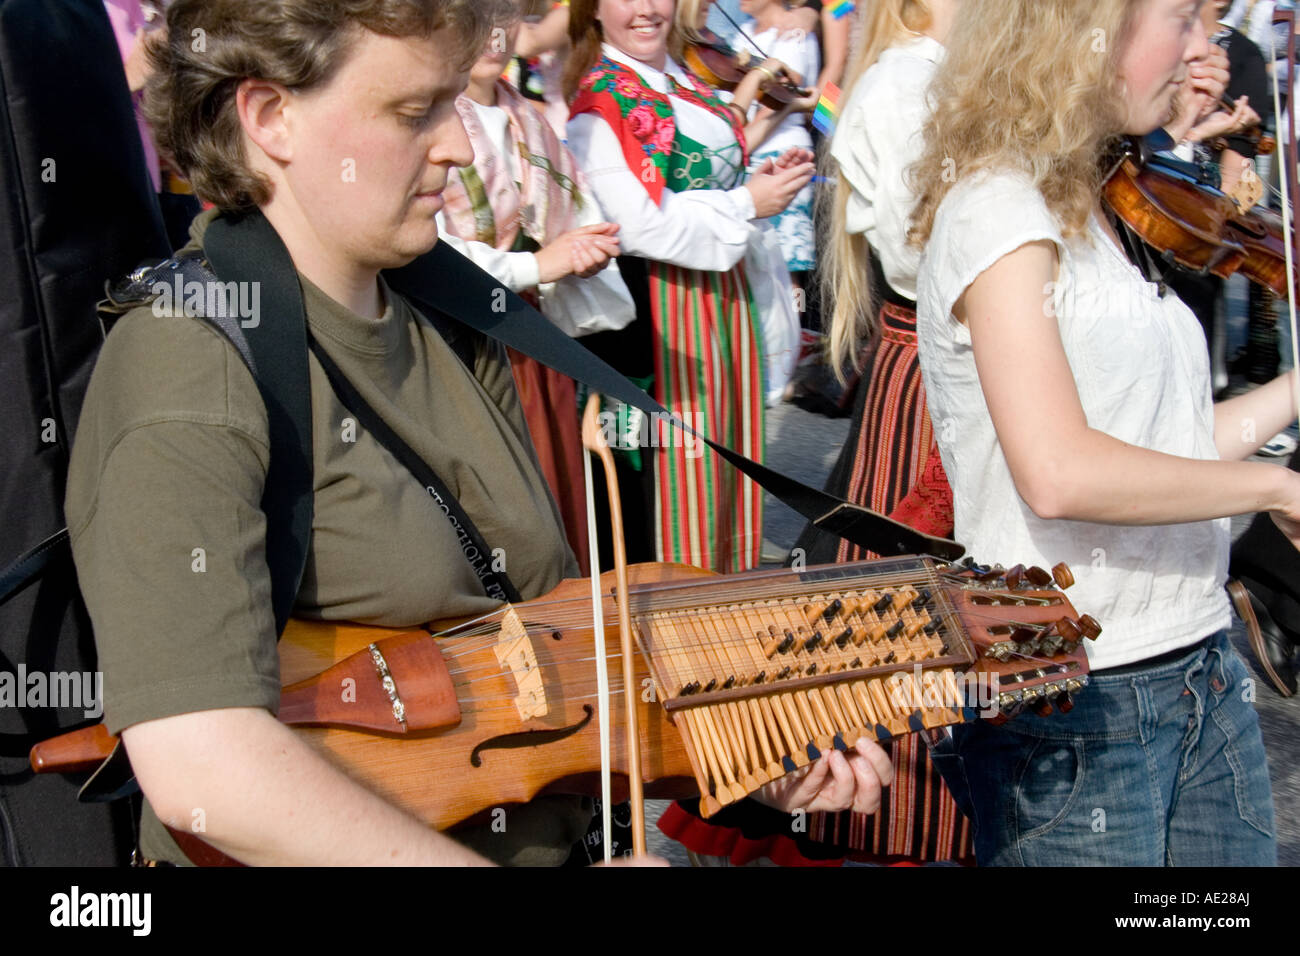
<point>594,442</point>
<point>1286,156</point>
<point>602,660</point>
<point>741,31</point>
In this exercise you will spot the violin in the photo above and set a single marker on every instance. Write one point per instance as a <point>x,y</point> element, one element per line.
<point>1193,224</point>
<point>709,58</point>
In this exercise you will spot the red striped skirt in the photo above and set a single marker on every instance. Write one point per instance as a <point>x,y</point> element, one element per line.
<point>708,370</point>
<point>550,405</point>
<point>897,471</point>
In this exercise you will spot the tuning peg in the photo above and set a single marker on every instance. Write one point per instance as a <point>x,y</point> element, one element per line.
<point>1091,629</point>
<point>1015,577</point>
<point>1069,630</point>
<point>1049,641</point>
<point>1064,577</point>
<point>1065,703</point>
<point>1043,708</point>
<point>1038,577</point>
<point>1023,635</point>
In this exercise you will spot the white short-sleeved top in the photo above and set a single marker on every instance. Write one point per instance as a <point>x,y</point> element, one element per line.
<point>877,138</point>
<point>1142,373</point>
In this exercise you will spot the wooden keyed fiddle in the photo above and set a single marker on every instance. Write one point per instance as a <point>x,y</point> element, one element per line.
<point>749,676</point>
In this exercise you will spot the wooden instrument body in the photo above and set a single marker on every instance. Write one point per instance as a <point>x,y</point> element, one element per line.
<point>1183,218</point>
<point>739,679</point>
<point>1260,233</point>
<point>1196,225</point>
<point>453,773</point>
<point>709,58</point>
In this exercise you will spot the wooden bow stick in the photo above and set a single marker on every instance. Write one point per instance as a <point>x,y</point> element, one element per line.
<point>594,442</point>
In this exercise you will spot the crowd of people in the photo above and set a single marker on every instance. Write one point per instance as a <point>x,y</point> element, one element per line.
<point>1030,381</point>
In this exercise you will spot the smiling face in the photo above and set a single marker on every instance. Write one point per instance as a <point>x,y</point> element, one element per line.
<point>638,28</point>
<point>1165,37</point>
<point>368,154</point>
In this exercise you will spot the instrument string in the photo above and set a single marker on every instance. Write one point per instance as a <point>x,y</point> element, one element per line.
<point>775,686</point>
<point>675,596</point>
<point>505,702</point>
<point>997,615</point>
<point>751,585</point>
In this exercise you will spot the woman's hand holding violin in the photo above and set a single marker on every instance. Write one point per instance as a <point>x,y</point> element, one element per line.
<point>1223,123</point>
<point>759,78</point>
<point>1200,93</point>
<point>1209,78</point>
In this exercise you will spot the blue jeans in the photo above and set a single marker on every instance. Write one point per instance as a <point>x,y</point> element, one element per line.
<point>1162,766</point>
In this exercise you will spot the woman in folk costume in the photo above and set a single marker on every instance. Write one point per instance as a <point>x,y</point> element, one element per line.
<point>665,159</point>
<point>522,214</point>
<point>890,463</point>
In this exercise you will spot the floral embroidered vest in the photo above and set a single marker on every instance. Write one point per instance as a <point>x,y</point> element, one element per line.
<point>657,153</point>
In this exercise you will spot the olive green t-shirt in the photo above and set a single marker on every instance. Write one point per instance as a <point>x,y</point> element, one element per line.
<point>168,536</point>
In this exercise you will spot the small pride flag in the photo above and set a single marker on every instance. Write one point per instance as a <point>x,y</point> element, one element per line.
<point>828,110</point>
<point>843,9</point>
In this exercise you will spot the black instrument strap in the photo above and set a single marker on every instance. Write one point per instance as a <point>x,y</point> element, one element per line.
<point>495,583</point>
<point>444,281</point>
<point>31,564</point>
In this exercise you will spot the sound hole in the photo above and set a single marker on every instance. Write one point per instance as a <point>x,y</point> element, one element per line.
<point>529,738</point>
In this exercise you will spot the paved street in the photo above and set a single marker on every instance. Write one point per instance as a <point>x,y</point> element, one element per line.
<point>804,446</point>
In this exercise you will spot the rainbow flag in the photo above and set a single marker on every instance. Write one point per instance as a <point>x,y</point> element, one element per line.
<point>843,9</point>
<point>828,110</point>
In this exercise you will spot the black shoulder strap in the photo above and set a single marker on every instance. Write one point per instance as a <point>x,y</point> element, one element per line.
<point>247,249</point>
<point>445,282</point>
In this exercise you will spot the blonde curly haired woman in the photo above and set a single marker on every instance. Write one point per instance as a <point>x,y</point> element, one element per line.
<point>1077,425</point>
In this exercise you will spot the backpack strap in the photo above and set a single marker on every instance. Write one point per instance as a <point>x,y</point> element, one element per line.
<point>248,250</point>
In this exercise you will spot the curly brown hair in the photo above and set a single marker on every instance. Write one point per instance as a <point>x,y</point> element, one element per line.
<point>211,46</point>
